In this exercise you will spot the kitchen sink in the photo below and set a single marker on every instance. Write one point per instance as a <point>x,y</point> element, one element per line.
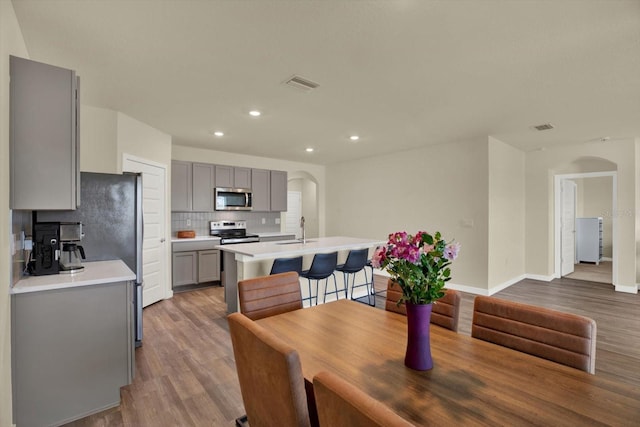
<point>296,242</point>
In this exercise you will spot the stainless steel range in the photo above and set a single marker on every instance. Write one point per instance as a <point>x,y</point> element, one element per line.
<point>232,232</point>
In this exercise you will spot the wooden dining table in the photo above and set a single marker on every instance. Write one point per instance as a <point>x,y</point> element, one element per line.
<point>473,382</point>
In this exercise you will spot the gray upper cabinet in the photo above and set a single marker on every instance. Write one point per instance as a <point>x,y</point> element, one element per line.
<point>260,189</point>
<point>242,177</point>
<point>193,186</point>
<point>278,191</point>
<point>181,186</point>
<point>44,135</point>
<point>203,184</point>
<point>233,177</point>
<point>224,176</point>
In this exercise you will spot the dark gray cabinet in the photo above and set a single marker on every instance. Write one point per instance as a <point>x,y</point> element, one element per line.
<point>181,186</point>
<point>203,187</point>
<point>72,350</point>
<point>278,191</point>
<point>261,190</point>
<point>44,136</point>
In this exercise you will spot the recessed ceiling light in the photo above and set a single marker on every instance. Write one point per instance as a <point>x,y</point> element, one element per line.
<point>218,133</point>
<point>255,113</point>
<point>309,150</point>
<point>354,137</point>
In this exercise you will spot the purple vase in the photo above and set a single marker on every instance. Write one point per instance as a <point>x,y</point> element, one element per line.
<point>418,355</point>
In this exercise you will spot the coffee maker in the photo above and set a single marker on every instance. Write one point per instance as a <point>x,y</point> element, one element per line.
<point>46,249</point>
<point>72,253</point>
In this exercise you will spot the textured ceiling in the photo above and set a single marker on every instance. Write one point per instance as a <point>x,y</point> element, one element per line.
<point>401,74</point>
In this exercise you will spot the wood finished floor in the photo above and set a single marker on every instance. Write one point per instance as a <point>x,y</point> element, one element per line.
<point>592,272</point>
<point>186,374</point>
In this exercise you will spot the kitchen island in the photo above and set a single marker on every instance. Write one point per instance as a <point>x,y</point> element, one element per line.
<point>246,260</point>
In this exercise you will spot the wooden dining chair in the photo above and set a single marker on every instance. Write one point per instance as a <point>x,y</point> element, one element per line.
<point>564,338</point>
<point>445,311</point>
<point>269,295</point>
<point>341,404</point>
<point>270,375</point>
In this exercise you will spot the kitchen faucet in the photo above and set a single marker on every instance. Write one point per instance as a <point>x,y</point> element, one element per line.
<point>304,240</point>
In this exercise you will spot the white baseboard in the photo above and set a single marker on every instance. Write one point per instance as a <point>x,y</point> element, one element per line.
<point>467,289</point>
<point>627,289</point>
<point>505,285</point>
<point>604,258</point>
<point>540,277</point>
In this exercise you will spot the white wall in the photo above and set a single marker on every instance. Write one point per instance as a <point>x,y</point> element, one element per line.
<point>437,188</point>
<point>141,140</point>
<point>541,166</point>
<point>98,140</point>
<point>506,215</point>
<point>316,173</point>
<point>11,43</point>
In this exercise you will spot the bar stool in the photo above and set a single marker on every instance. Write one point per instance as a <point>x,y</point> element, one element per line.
<point>283,265</point>
<point>356,262</point>
<point>322,266</point>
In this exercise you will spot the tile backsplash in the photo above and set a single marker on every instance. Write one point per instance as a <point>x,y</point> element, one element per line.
<point>199,221</point>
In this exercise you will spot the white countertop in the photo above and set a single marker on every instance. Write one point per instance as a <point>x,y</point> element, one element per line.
<point>273,234</point>
<point>288,248</point>
<point>94,273</point>
<point>194,239</point>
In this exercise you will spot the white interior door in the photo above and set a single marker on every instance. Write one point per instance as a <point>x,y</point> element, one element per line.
<point>568,227</point>
<point>154,247</point>
<point>294,212</point>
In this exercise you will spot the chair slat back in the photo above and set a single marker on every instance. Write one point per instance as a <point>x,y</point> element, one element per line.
<point>269,295</point>
<point>341,404</point>
<point>445,311</point>
<point>564,338</point>
<point>270,375</point>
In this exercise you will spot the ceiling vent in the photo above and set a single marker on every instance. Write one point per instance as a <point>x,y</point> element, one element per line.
<point>545,126</point>
<point>301,83</point>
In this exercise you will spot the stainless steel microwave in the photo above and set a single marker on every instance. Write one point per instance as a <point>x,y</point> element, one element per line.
<point>233,199</point>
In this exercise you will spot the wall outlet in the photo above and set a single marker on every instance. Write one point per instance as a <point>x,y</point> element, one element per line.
<point>264,220</point>
<point>277,221</point>
<point>188,223</point>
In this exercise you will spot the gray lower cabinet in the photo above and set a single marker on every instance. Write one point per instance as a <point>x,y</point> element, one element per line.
<point>44,136</point>
<point>185,268</point>
<point>208,266</point>
<point>195,263</point>
<point>72,350</point>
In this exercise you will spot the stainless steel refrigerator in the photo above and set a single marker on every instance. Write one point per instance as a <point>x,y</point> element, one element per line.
<point>111,214</point>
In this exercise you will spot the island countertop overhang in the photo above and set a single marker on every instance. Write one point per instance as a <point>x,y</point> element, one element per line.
<point>247,252</point>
